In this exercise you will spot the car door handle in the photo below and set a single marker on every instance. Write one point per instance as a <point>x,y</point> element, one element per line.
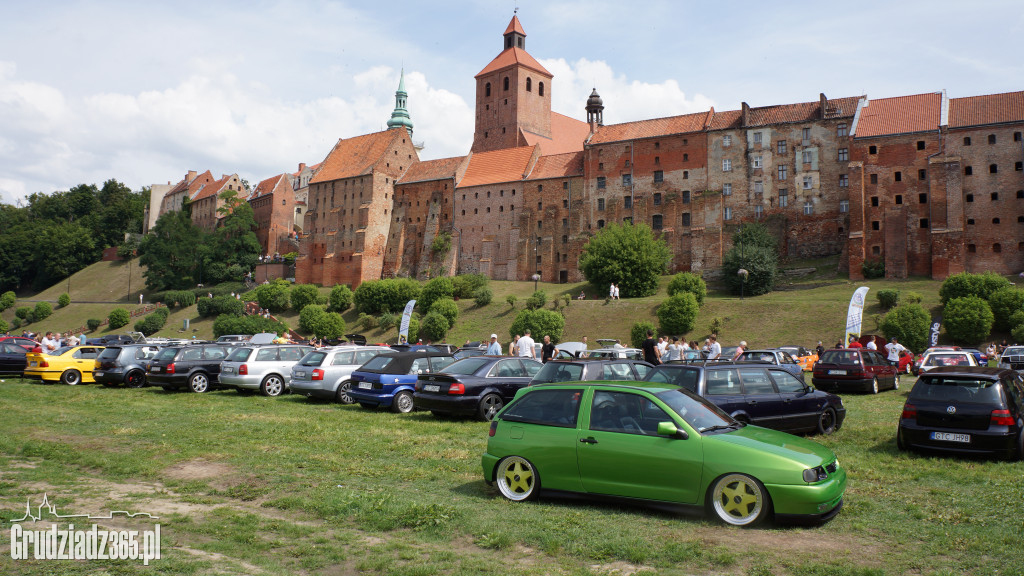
<point>752,402</point>
<point>589,440</point>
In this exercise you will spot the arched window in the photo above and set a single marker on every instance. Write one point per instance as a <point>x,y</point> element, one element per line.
<point>506,83</point>
<point>540,88</point>
<point>529,84</point>
<point>487,89</point>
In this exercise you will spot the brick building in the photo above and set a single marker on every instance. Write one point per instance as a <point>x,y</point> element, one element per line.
<point>274,206</point>
<point>206,202</point>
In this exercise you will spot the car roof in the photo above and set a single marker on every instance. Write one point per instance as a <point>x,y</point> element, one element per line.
<point>970,371</point>
<point>633,384</point>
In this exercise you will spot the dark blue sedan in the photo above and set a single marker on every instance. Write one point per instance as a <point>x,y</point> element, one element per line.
<point>480,385</point>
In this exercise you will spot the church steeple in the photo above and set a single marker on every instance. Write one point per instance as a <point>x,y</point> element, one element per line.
<point>515,36</point>
<point>400,117</point>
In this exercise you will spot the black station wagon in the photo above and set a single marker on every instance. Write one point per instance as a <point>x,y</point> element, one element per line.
<point>192,366</point>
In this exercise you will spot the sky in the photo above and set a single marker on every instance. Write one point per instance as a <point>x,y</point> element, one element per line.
<point>142,92</point>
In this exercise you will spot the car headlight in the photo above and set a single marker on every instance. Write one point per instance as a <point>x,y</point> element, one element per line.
<point>817,474</point>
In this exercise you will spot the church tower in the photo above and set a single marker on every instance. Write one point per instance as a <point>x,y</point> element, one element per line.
<point>513,96</point>
<point>400,117</point>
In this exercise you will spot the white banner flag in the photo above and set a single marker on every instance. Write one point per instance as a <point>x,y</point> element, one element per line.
<point>403,333</point>
<point>855,314</point>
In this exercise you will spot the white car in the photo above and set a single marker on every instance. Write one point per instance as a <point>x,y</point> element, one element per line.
<point>946,358</point>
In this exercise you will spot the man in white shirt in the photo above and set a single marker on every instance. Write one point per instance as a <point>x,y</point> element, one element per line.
<point>871,344</point>
<point>526,346</point>
<point>662,345</point>
<point>894,348</point>
<point>716,348</point>
<point>48,343</point>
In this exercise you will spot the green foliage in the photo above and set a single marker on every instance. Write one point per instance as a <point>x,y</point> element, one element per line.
<point>447,308</point>
<point>761,263</point>
<point>435,325</point>
<point>913,298</point>
<point>172,252</point>
<point>63,300</point>
<point>7,300</point>
<point>341,298</point>
<point>3,326</point>
<point>303,295</point>
<point>16,323</point>
<point>678,314</point>
<point>1017,333</point>
<point>717,326</point>
<point>1017,319</point>
<point>638,333</point>
<point>483,296</point>
<point>968,319</point>
<point>888,298</point>
<point>688,282</point>
<point>329,325</point>
<point>567,299</point>
<point>118,317</point>
<point>754,234</point>
<point>309,317</point>
<point>23,312</point>
<point>389,295</point>
<point>220,305</point>
<point>42,311</point>
<point>274,296</point>
<point>388,320</point>
<point>434,290</point>
<point>540,322</point>
<point>231,324</point>
<point>537,300</point>
<point>367,321</point>
<point>628,255</point>
<point>511,300</point>
<point>909,323</point>
<point>1005,302</point>
<point>153,322</point>
<point>441,244</point>
<point>172,298</point>
<point>873,268</point>
<point>967,284</point>
<point>93,323</point>
<point>466,285</point>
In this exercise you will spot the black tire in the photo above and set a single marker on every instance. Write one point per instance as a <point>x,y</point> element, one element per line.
<point>199,383</point>
<point>489,406</point>
<point>827,421</point>
<point>272,385</point>
<point>899,441</point>
<point>739,500</point>
<point>367,405</point>
<point>341,395</point>
<point>71,377</point>
<point>135,379</point>
<point>874,385</point>
<point>517,479</point>
<point>402,403</point>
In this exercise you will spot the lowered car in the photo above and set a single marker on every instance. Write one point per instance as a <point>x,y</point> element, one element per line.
<point>12,358</point>
<point>70,365</point>
<point>477,386</point>
<point>27,343</point>
<point>657,443</point>
<point>388,381</point>
<point>124,364</point>
<point>854,370</point>
<point>192,366</point>
<point>778,357</point>
<point>325,373</point>
<point>267,368</point>
<point>933,360</point>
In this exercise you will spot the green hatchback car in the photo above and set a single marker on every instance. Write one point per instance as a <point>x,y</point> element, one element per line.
<point>660,443</point>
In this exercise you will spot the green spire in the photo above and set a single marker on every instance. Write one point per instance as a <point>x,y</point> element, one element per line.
<point>400,117</point>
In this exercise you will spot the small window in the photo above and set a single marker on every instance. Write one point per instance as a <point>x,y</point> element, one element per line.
<point>782,171</point>
<point>600,223</point>
<point>487,89</point>
<point>686,174</point>
<point>993,168</point>
<point>686,157</point>
<point>844,154</point>
<point>969,198</point>
<point>968,171</point>
<point>920,144</point>
<point>657,198</point>
<point>783,198</point>
<point>728,213</point>
<point>565,239</point>
<point>757,137</point>
<point>758,211</point>
<point>540,88</point>
<point>807,156</point>
<point>659,176</point>
<point>872,149</point>
<point>924,223</point>
<point>529,84</point>
<point>627,179</point>
<point>876,250</point>
<point>656,222</point>
<point>808,208</point>
<point>971,248</point>
<point>506,83</point>
<point>844,181</point>
<point>726,141</point>
<point>758,187</point>
<point>995,220</point>
<point>757,162</point>
<point>922,198</point>
<point>627,202</point>
<point>806,133</point>
<point>1016,136</point>
<point>997,247</point>
<point>1018,166</point>
<point>600,203</point>
<point>991,138</point>
<point>726,189</point>
<point>1020,194</point>
<point>808,182</point>
<point>842,130</point>
<point>1020,219</point>
<point>780,147</point>
<point>874,200</point>
<point>898,176</point>
<point>686,196</point>
<point>922,174</point>
<point>874,178</point>
<point>876,225</point>
<point>844,206</point>
<point>899,199</point>
<point>995,196</point>
<point>970,221</point>
<point>600,182</point>
<point>726,165</point>
<point>657,160</point>
<point>565,203</point>
<point>686,218</point>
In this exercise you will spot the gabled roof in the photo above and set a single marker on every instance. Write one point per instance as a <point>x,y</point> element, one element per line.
<point>212,189</point>
<point>191,186</point>
<point>514,26</point>
<point>900,115</point>
<point>558,166</point>
<point>650,128</point>
<point>312,168</point>
<point>801,112</point>
<point>567,135</point>
<point>507,165</point>
<point>427,170</point>
<point>272,185</point>
<point>989,109</point>
<point>511,57</point>
<point>355,156</point>
<point>726,120</point>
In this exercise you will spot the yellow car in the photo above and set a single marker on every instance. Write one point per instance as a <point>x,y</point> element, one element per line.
<point>70,365</point>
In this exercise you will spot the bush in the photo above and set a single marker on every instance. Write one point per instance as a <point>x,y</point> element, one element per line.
<point>118,317</point>
<point>968,319</point>
<point>303,295</point>
<point>913,298</point>
<point>540,323</point>
<point>274,296</point>
<point>466,285</point>
<point>329,326</point>
<point>43,311</point>
<point>628,255</point>
<point>1017,319</point>
<point>93,323</point>
<point>63,301</point>
<point>16,323</point>
<point>888,298</point>
<point>678,314</point>
<point>967,284</point>
<point>483,296</point>
<point>435,325</point>
<point>638,333</point>
<point>220,305</point>
<point>761,263</point>
<point>390,295</point>
<point>909,323</point>
<point>3,326</point>
<point>434,290</point>
<point>341,298</point>
<point>309,316</point>
<point>1017,333</point>
<point>389,320</point>
<point>754,234</point>
<point>367,321</point>
<point>717,326</point>
<point>152,323</point>
<point>231,324</point>
<point>688,282</point>
<point>7,300</point>
<point>414,328</point>
<point>447,308</point>
<point>23,312</point>
<point>172,298</point>
<point>1005,302</point>
<point>511,300</point>
<point>537,300</point>
<point>873,268</point>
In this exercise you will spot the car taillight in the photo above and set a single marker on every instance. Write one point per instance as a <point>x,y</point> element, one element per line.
<point>909,412</point>
<point>493,429</point>
<point>1002,418</point>
<point>170,368</point>
<point>457,388</point>
<point>318,374</point>
<point>819,373</point>
<point>43,363</point>
<point>243,370</point>
<point>859,374</point>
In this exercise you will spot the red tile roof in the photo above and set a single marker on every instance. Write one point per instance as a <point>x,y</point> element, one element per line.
<point>508,165</point>
<point>650,128</point>
<point>355,156</point>
<point>558,166</point>
<point>514,26</point>
<point>313,168</point>
<point>900,115</point>
<point>989,109</point>
<point>440,169</point>
<point>801,112</point>
<point>726,120</point>
<point>191,185</point>
<point>567,135</point>
<point>211,189</point>
<point>274,184</point>
<point>511,57</point>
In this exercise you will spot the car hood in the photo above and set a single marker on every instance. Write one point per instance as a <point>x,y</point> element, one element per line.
<point>762,440</point>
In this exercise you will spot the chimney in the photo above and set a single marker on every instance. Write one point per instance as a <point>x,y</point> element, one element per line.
<point>190,176</point>
<point>302,166</point>
<point>824,103</point>
<point>745,114</point>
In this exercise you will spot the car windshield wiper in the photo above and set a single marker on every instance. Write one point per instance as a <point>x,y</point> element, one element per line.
<point>719,427</point>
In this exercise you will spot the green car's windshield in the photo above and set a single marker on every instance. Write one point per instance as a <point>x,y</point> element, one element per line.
<point>697,412</point>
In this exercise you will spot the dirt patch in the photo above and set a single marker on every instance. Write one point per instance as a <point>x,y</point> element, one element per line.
<point>619,568</point>
<point>220,559</point>
<point>218,474</point>
<point>802,542</point>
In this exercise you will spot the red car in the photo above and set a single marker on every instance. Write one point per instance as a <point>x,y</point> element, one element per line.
<point>854,369</point>
<point>906,362</point>
<point>26,343</point>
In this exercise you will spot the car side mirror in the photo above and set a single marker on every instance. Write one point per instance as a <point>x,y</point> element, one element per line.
<point>669,429</point>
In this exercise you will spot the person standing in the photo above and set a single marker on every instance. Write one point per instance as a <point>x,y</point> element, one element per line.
<point>740,349</point>
<point>894,348</point>
<point>526,345</point>
<point>513,346</point>
<point>716,348</point>
<point>611,292</point>
<point>48,343</point>
<point>616,291</point>
<point>548,350</point>
<point>675,351</point>
<point>662,346</point>
<point>652,355</point>
<point>820,349</point>
<point>494,349</point>
<point>854,343</point>
<point>871,344</point>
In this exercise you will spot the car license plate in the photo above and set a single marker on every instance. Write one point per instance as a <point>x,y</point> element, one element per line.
<point>951,437</point>
<point>432,388</point>
<point>228,370</point>
<point>300,374</point>
<point>364,385</point>
<point>33,363</point>
<point>156,369</point>
<point>837,372</point>
<point>97,374</point>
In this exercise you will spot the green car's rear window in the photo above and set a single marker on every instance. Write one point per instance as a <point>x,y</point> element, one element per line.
<point>548,407</point>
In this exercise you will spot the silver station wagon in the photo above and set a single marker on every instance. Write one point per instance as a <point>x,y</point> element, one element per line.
<point>324,373</point>
<point>265,368</point>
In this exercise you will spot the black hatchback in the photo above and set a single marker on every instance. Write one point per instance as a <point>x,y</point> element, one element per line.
<point>124,365</point>
<point>192,366</point>
<point>480,385</point>
<point>965,410</point>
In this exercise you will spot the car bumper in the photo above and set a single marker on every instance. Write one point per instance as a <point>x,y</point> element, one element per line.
<point>246,382</point>
<point>41,375</point>
<point>489,463</point>
<point>809,501</point>
<point>453,404</point>
<point>372,397</point>
<point>842,385</point>
<point>314,388</point>
<point>1002,444</point>
<point>108,377</point>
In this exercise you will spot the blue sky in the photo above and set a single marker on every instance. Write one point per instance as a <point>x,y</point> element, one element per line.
<point>144,91</point>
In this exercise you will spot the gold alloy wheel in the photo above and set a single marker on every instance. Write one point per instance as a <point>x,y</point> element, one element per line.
<point>517,479</point>
<point>739,500</point>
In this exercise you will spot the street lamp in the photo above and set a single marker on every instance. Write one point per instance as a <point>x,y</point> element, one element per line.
<point>536,278</point>
<point>742,273</point>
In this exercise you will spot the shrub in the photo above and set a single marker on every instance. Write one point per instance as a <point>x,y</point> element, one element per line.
<point>329,326</point>
<point>434,290</point>
<point>873,268</point>
<point>220,305</point>
<point>483,296</point>
<point>888,298</point>
<point>1005,302</point>
<point>388,320</point>
<point>3,326</point>
<point>231,324</point>
<point>93,323</point>
<point>967,284</point>
<point>540,323</point>
<point>909,323</point>
<point>1017,333</point>
<point>414,328</point>
<point>968,319</point>
<point>762,265</point>
<point>466,285</point>
<point>678,314</point>
<point>309,316</point>
<point>7,300</point>
<point>628,255</point>
<point>754,234</point>
<point>23,312</point>
<point>567,299</point>
<point>390,295</point>
<point>341,298</point>
<point>118,317</point>
<point>913,298</point>
<point>717,326</point>
<point>638,333</point>
<point>688,282</point>
<point>511,300</point>
<point>303,295</point>
<point>152,323</point>
<point>537,300</point>
<point>367,321</point>
<point>435,325</point>
<point>447,308</point>
<point>172,298</point>
<point>63,301</point>
<point>42,311</point>
<point>274,296</point>
<point>31,317</point>
<point>16,323</point>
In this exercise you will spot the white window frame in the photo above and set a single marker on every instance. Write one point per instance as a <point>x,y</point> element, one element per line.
<point>758,187</point>
<point>727,213</point>
<point>726,165</point>
<point>758,211</point>
<point>844,181</point>
<point>806,156</point>
<point>808,183</point>
<point>783,197</point>
<point>844,206</point>
<point>842,130</point>
<point>782,172</point>
<point>726,141</point>
<point>756,161</point>
<point>808,208</point>
<point>727,189</point>
<point>844,154</point>
<point>757,137</point>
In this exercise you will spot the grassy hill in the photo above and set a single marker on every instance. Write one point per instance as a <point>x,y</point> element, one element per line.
<point>803,310</point>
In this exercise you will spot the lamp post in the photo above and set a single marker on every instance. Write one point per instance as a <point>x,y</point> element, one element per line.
<point>536,278</point>
<point>742,273</point>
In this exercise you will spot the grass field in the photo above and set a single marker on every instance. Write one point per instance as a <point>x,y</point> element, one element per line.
<point>250,485</point>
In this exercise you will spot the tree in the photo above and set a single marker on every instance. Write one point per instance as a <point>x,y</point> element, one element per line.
<point>309,317</point>
<point>688,282</point>
<point>434,290</point>
<point>540,323</point>
<point>761,265</point>
<point>638,333</point>
<point>341,298</point>
<point>968,319</point>
<point>118,317</point>
<point>434,326</point>
<point>7,300</point>
<point>754,234</point>
<point>304,295</point>
<point>909,323</point>
<point>235,240</point>
<point>628,255</point>
<point>1005,302</point>
<point>678,314</point>
<point>172,252</point>
<point>447,308</point>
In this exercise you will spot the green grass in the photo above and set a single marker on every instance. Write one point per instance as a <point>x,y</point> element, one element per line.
<point>288,486</point>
